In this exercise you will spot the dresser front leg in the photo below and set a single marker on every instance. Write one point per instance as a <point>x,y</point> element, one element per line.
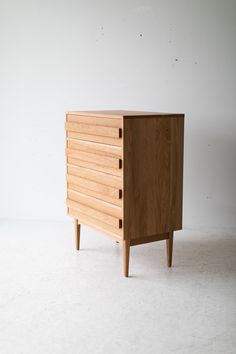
<point>77,234</point>
<point>169,248</point>
<point>126,249</point>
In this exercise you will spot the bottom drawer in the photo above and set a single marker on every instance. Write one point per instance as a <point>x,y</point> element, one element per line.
<point>95,223</point>
<point>96,214</point>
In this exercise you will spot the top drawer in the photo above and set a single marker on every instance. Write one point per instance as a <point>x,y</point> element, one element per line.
<point>96,129</point>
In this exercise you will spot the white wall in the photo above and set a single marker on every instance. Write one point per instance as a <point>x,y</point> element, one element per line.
<point>177,55</point>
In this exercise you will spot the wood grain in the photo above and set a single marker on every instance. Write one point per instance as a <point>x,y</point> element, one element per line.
<point>94,138</point>
<point>176,173</point>
<point>125,175</point>
<point>102,189</point>
<point>113,162</point>
<point>96,224</point>
<point>95,148</point>
<point>107,121</point>
<point>96,167</point>
<point>169,249</point>
<point>99,177</point>
<point>92,129</point>
<point>149,181</point>
<point>95,213</point>
<point>100,196</point>
<point>77,234</point>
<point>126,253</point>
<point>96,204</point>
<point>148,239</point>
<point>114,114</point>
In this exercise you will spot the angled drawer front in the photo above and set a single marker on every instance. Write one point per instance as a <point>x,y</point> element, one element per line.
<point>96,129</point>
<point>90,129</point>
<point>100,188</point>
<point>94,172</point>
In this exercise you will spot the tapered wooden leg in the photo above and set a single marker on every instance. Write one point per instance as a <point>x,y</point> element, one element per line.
<point>126,248</point>
<point>169,249</point>
<point>77,234</point>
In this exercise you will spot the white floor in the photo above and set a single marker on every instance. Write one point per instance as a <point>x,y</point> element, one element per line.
<point>56,300</point>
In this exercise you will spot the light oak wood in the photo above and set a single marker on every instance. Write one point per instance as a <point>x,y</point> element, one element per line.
<point>112,162</point>
<point>106,208</point>
<point>96,176</point>
<point>148,239</point>
<point>100,196</point>
<point>92,129</point>
<point>96,167</point>
<point>96,214</point>
<point>94,138</point>
<point>77,234</point>
<point>152,184</point>
<point>95,120</point>
<point>102,189</point>
<point>95,148</point>
<point>176,173</point>
<point>115,114</point>
<point>97,224</point>
<point>125,175</point>
<point>169,248</point>
<point>126,252</point>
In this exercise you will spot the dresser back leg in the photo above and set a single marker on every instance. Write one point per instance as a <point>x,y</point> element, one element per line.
<point>169,249</point>
<point>126,252</point>
<point>77,234</point>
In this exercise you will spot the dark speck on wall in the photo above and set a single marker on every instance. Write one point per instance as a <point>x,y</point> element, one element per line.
<point>176,59</point>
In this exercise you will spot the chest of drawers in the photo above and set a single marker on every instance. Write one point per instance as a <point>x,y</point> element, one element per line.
<point>125,175</point>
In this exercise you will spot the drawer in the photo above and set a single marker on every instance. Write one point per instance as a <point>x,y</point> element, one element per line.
<point>106,208</point>
<point>94,138</point>
<point>96,187</point>
<point>87,206</point>
<point>94,166</point>
<point>96,214</point>
<point>106,161</point>
<point>94,129</point>
<point>99,121</point>
<point>95,148</point>
<point>95,176</point>
<point>96,223</point>
<point>93,193</point>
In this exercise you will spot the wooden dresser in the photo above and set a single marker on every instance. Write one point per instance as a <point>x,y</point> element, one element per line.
<point>125,175</point>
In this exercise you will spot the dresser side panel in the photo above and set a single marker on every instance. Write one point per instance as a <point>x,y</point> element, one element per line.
<point>152,195</point>
<point>176,186</point>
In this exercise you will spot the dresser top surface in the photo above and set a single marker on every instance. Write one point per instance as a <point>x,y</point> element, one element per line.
<point>123,113</point>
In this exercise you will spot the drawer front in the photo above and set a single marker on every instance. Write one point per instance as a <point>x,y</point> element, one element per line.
<point>101,189</point>
<point>95,148</point>
<point>97,224</point>
<point>79,187</point>
<point>94,138</point>
<point>105,161</point>
<point>94,172</point>
<point>101,121</point>
<point>91,129</point>
<point>95,129</point>
<point>95,176</point>
<point>94,166</point>
<point>95,212</point>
